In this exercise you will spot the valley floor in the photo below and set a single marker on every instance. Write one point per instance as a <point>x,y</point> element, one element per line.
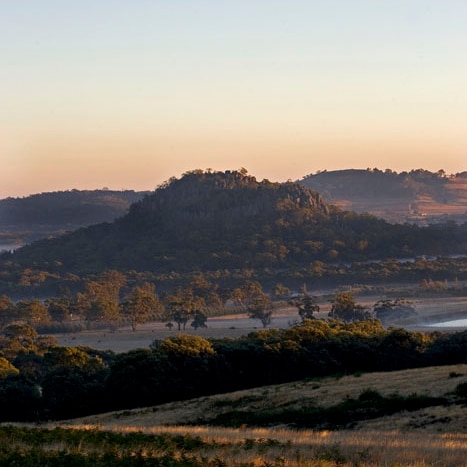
<point>429,310</point>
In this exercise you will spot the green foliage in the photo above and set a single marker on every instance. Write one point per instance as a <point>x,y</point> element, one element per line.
<point>59,309</point>
<point>199,320</point>
<point>72,358</point>
<point>213,221</point>
<point>461,390</point>
<point>21,338</point>
<point>306,306</point>
<point>370,404</point>
<point>343,307</point>
<point>182,305</point>
<point>7,310</point>
<point>184,345</point>
<point>95,448</point>
<point>261,309</point>
<point>141,304</point>
<point>100,300</point>
<point>20,399</point>
<point>6,368</point>
<point>79,381</point>
<point>390,310</point>
<point>449,348</point>
<point>32,312</point>
<point>400,348</point>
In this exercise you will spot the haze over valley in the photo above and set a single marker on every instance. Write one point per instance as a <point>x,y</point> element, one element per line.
<point>233,234</point>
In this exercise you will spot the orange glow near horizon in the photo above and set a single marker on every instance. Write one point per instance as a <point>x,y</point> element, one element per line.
<point>133,162</point>
<point>126,96</point>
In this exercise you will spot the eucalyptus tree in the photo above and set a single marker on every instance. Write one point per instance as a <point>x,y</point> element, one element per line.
<point>181,306</point>
<point>306,306</point>
<point>344,307</point>
<point>261,309</point>
<point>141,305</point>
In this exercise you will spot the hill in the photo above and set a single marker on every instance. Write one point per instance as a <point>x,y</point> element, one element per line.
<point>417,196</point>
<point>209,221</point>
<point>432,435</point>
<point>23,220</point>
<point>324,393</point>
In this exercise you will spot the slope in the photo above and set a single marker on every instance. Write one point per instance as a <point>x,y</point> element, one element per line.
<point>417,196</point>
<point>229,220</point>
<point>30,218</point>
<point>433,382</point>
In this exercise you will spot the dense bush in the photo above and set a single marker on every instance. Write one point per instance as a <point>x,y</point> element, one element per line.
<point>94,448</point>
<point>65,382</point>
<point>370,404</point>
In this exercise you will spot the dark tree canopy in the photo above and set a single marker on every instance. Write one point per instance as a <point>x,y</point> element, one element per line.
<point>306,306</point>
<point>343,307</point>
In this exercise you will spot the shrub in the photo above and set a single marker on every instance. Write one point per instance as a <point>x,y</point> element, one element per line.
<point>461,390</point>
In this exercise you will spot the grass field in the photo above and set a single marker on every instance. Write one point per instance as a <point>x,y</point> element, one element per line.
<point>428,310</point>
<point>433,436</point>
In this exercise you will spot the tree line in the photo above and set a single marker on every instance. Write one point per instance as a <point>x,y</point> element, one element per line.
<point>40,380</point>
<point>108,300</point>
<point>435,274</point>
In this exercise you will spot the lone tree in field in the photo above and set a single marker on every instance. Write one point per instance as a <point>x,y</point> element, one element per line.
<point>199,320</point>
<point>181,317</point>
<point>182,305</point>
<point>306,306</point>
<point>261,309</point>
<point>388,310</point>
<point>343,307</point>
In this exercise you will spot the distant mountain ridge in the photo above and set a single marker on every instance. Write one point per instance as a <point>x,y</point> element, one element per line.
<point>48,214</point>
<point>229,220</point>
<point>417,196</point>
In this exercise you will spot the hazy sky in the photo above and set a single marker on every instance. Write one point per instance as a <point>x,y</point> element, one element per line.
<point>126,94</point>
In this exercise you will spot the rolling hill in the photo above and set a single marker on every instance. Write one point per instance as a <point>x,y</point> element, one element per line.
<point>229,220</point>
<point>417,196</point>
<point>324,392</point>
<point>30,218</point>
<point>432,435</point>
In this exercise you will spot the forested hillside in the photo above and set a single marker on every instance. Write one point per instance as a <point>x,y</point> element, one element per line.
<point>417,196</point>
<point>47,214</point>
<point>208,221</point>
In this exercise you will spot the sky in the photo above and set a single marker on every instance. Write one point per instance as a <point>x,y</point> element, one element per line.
<point>126,94</point>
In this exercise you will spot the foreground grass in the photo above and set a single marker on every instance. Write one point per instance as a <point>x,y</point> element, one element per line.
<point>206,447</point>
<point>404,418</point>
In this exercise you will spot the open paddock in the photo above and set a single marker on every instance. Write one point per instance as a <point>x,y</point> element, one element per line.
<point>123,339</point>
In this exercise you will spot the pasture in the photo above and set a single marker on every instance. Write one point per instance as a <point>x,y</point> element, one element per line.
<point>432,436</point>
<point>123,339</point>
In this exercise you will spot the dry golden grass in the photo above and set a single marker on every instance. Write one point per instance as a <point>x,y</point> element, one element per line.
<point>281,447</point>
<point>432,381</point>
<point>292,448</point>
<point>434,436</point>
